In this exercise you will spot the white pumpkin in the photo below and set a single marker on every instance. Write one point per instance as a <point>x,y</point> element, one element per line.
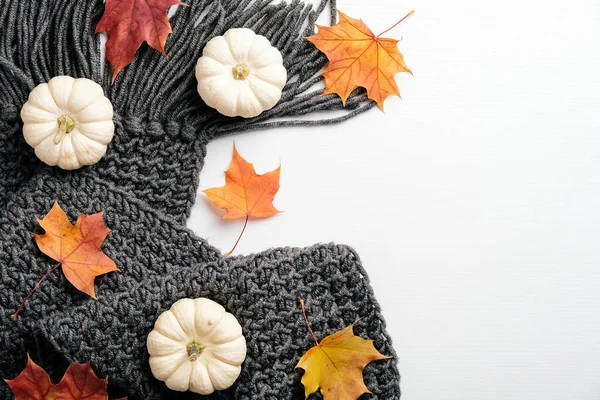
<point>197,346</point>
<point>240,74</point>
<point>68,122</point>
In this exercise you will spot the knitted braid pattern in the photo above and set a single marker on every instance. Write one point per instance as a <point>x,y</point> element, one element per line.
<point>146,184</point>
<point>261,290</point>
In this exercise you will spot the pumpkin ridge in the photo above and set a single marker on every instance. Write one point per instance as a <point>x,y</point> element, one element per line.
<point>94,136</point>
<point>177,362</point>
<point>78,139</point>
<point>256,77</point>
<point>65,152</point>
<point>98,118</point>
<point>43,136</point>
<point>225,369</point>
<point>73,93</point>
<point>218,356</point>
<point>254,97</point>
<point>247,54</point>
<point>63,79</point>
<point>233,57</point>
<point>74,146</point>
<point>39,113</point>
<point>163,332</point>
<point>206,75</point>
<point>191,333</point>
<point>256,87</point>
<point>236,107</point>
<point>158,347</point>
<point>182,328</point>
<point>214,325</point>
<point>262,47</point>
<point>77,131</point>
<point>210,51</point>
<point>33,100</point>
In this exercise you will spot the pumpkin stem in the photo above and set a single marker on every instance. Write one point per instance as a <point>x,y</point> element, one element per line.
<point>65,125</point>
<point>194,349</point>
<point>240,72</point>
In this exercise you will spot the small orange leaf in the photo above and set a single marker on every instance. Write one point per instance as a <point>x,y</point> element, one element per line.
<point>245,194</point>
<point>76,247</point>
<point>335,365</point>
<point>128,23</point>
<point>359,58</point>
<point>79,382</point>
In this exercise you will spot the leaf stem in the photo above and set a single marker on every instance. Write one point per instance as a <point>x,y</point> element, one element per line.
<point>397,23</point>
<point>33,290</point>
<point>239,237</point>
<point>307,323</point>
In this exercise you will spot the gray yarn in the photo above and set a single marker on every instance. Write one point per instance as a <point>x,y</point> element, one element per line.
<point>146,184</point>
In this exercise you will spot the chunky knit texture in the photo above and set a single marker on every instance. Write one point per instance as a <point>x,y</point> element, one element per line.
<point>146,184</point>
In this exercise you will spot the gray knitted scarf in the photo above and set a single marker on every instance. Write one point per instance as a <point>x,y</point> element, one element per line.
<point>146,184</point>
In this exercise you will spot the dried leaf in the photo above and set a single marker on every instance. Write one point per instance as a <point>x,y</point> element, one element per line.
<point>76,247</point>
<point>335,365</point>
<point>79,382</point>
<point>246,194</point>
<point>128,23</point>
<point>359,58</point>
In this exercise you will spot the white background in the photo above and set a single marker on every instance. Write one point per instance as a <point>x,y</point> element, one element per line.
<point>474,202</point>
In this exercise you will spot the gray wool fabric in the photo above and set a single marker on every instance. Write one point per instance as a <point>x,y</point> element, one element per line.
<point>146,185</point>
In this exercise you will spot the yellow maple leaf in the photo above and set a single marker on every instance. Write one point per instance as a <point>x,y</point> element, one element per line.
<point>359,58</point>
<point>335,365</point>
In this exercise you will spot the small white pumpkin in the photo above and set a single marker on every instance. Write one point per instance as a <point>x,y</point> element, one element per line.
<point>68,122</point>
<point>196,345</point>
<point>240,74</point>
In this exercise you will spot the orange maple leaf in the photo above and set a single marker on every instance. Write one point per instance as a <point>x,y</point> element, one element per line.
<point>79,382</point>
<point>76,247</point>
<point>335,365</point>
<point>359,58</point>
<point>245,194</point>
<point>128,23</point>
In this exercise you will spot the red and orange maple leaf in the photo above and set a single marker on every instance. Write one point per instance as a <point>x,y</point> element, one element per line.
<point>79,382</point>
<point>359,58</point>
<point>128,23</point>
<point>75,247</point>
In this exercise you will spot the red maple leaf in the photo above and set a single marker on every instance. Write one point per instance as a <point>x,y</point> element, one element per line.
<point>79,382</point>
<point>128,23</point>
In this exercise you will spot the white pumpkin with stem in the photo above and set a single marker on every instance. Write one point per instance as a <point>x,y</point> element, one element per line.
<point>240,74</point>
<point>196,345</point>
<point>69,122</point>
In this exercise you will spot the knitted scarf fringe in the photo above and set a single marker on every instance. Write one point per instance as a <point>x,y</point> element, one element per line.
<point>42,39</point>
